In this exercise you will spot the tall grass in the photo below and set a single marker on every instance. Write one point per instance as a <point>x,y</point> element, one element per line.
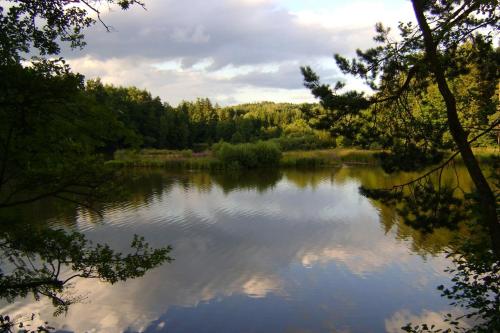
<point>171,159</point>
<point>327,157</point>
<point>225,156</point>
<point>304,142</point>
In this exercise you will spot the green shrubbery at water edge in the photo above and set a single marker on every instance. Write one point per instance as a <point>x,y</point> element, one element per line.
<point>248,155</point>
<point>304,142</point>
<point>225,156</point>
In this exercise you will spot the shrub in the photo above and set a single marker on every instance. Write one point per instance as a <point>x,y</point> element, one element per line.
<point>303,161</point>
<point>199,147</point>
<point>186,153</point>
<point>343,141</point>
<point>248,155</point>
<point>267,153</point>
<point>305,142</point>
<point>408,158</point>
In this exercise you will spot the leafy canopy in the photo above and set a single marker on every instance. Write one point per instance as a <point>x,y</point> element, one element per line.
<point>42,25</point>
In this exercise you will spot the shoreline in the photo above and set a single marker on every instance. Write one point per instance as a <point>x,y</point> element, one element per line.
<point>334,157</point>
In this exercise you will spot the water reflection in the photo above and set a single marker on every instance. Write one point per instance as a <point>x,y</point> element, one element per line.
<point>270,251</point>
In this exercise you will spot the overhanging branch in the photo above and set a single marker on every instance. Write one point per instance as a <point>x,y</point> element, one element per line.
<point>445,163</point>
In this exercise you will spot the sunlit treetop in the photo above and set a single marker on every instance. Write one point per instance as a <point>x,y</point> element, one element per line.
<point>395,65</point>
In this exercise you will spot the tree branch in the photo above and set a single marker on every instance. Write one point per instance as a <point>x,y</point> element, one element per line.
<point>442,165</point>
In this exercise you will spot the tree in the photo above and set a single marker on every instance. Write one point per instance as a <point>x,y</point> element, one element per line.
<point>49,131</point>
<point>427,53</point>
<point>50,136</point>
<point>38,258</point>
<point>475,289</point>
<point>52,133</point>
<point>135,108</point>
<point>28,25</point>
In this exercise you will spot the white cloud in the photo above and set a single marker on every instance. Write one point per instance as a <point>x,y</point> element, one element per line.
<point>228,50</point>
<point>241,242</point>
<point>357,15</point>
<point>173,83</point>
<point>403,317</point>
<point>261,286</point>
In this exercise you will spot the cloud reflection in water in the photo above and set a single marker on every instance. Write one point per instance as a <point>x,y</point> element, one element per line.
<point>282,258</point>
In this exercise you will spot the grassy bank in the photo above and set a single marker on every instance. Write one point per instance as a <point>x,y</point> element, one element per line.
<point>486,154</point>
<point>172,159</point>
<point>229,156</point>
<point>185,159</point>
<point>328,157</point>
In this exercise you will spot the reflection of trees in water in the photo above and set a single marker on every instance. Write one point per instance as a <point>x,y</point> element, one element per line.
<point>258,180</point>
<point>43,262</point>
<point>149,182</point>
<point>475,289</point>
<point>303,178</point>
<point>144,186</point>
<point>39,260</point>
<point>396,214</point>
<point>428,203</point>
<point>442,200</point>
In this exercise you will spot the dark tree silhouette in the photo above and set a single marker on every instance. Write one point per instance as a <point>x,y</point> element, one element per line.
<point>425,54</point>
<point>28,25</point>
<point>51,133</point>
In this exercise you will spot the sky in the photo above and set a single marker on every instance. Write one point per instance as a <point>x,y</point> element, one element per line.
<point>231,51</point>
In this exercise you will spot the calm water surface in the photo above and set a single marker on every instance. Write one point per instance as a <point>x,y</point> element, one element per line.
<point>268,251</point>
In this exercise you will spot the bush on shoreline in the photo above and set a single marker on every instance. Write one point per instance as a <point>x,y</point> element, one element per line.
<point>304,142</point>
<point>248,155</point>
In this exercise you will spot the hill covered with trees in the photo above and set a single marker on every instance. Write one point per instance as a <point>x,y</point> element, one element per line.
<point>148,122</point>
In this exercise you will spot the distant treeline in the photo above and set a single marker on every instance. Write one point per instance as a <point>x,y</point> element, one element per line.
<point>150,123</point>
<point>145,121</point>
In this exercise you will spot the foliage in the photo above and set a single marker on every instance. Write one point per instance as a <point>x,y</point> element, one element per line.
<point>407,158</point>
<point>449,39</point>
<point>182,159</point>
<point>427,90</point>
<point>195,125</point>
<point>52,138</point>
<point>305,142</point>
<point>424,207</point>
<point>171,159</point>
<point>248,155</point>
<point>51,134</point>
<point>406,111</point>
<point>54,131</point>
<point>475,289</point>
<point>302,161</point>
<point>42,25</point>
<point>11,325</point>
<point>37,262</point>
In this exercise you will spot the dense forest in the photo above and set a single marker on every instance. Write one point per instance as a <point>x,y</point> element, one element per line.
<point>145,121</point>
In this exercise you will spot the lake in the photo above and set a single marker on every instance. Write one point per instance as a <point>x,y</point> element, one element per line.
<point>263,251</point>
